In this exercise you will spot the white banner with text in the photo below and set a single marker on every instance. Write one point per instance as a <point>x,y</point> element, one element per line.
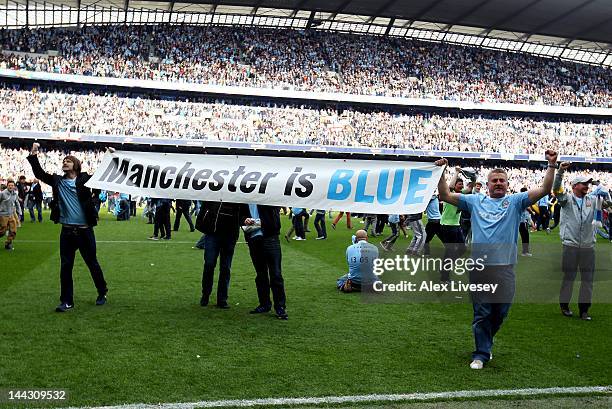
<point>360,186</point>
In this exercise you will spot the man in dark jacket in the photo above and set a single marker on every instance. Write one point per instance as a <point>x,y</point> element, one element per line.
<point>220,223</point>
<point>262,228</point>
<point>22,191</point>
<point>35,198</point>
<point>73,207</point>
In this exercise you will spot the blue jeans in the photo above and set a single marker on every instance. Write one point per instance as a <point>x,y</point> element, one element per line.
<point>35,205</point>
<point>488,318</point>
<point>319,224</point>
<point>490,310</point>
<point>217,246</point>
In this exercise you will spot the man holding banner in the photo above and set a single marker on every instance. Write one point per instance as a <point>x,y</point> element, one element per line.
<point>73,207</point>
<point>495,222</point>
<point>261,229</point>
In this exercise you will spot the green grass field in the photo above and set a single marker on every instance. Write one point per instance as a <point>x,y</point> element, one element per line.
<point>153,343</point>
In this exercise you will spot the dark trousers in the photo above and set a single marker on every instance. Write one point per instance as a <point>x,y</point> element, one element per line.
<point>71,240</point>
<point>35,205</point>
<point>556,216</point>
<point>381,221</point>
<point>162,222</point>
<point>266,256</point>
<point>222,247</point>
<point>454,246</point>
<point>575,258</point>
<point>298,225</point>
<point>432,229</point>
<point>132,208</point>
<point>544,218</point>
<point>21,204</point>
<point>124,210</point>
<point>394,234</point>
<point>466,229</point>
<point>319,224</point>
<point>180,211</point>
<point>524,232</point>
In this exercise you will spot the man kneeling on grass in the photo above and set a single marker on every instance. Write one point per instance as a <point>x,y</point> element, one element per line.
<point>360,257</point>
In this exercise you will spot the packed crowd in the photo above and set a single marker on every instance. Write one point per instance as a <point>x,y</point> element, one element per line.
<point>13,164</point>
<point>110,114</point>
<point>307,60</point>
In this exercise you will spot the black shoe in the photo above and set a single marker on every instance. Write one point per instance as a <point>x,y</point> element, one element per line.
<point>223,305</point>
<point>203,301</point>
<point>191,230</point>
<point>63,307</point>
<point>166,238</point>
<point>567,312</point>
<point>281,314</point>
<point>9,246</point>
<point>585,316</point>
<point>101,300</point>
<point>260,309</point>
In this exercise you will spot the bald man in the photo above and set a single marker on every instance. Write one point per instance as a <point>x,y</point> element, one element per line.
<point>360,257</point>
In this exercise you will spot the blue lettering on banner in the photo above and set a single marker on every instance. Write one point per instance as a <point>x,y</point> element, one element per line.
<point>341,186</point>
<point>396,190</point>
<point>360,195</point>
<point>414,185</point>
<point>341,178</point>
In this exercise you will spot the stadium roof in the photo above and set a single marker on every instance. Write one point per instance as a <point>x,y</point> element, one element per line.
<point>579,30</point>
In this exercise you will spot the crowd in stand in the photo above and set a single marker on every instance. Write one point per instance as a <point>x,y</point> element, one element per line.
<point>307,60</point>
<point>13,163</point>
<point>110,114</point>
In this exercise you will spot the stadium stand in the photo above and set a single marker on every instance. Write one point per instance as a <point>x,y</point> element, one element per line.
<point>306,60</point>
<point>122,116</point>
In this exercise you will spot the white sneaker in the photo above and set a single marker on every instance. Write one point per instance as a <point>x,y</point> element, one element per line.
<point>299,239</point>
<point>476,364</point>
<point>526,254</point>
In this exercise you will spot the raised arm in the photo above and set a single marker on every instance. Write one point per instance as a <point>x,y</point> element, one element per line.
<point>547,184</point>
<point>36,168</point>
<point>443,190</point>
<point>558,184</point>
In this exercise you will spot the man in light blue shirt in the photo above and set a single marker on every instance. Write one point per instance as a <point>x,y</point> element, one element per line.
<point>360,257</point>
<point>495,223</point>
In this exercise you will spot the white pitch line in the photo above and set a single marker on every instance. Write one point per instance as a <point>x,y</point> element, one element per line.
<point>124,241</point>
<point>488,393</point>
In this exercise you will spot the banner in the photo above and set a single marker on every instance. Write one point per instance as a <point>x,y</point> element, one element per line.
<point>360,186</point>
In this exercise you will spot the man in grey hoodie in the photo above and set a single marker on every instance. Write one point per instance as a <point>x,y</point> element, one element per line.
<point>577,232</point>
<point>9,205</point>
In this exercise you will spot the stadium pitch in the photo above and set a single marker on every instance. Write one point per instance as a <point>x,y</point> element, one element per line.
<point>153,343</point>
